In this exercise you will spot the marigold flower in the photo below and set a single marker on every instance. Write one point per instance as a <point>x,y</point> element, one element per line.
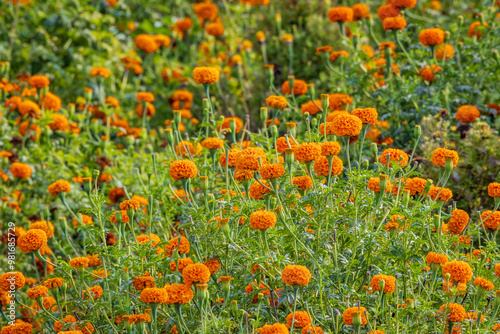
<point>436,258</point>
<point>18,327</point>
<point>138,318</point>
<point>79,262</point>
<point>162,40</point>
<point>205,75</point>
<point>366,115</point>
<point>340,14</point>
<point>215,29</point>
<point>494,189</point>
<point>39,81</point>
<point>454,312</point>
<point>52,283</point>
<point>272,171</point>
<point>146,43</point>
<point>142,282</point>
<point>302,319</point>
<point>213,265</point>
<point>310,330</point>
<point>346,125</point>
<point>38,291</point>
<point>307,152</point>
<point>295,275</point>
<point>183,169</point>
<point>150,110</point>
<point>99,71</point>
<point>276,328</point>
<point>206,10</point>
<point>467,114</point>
<point>483,283</point>
<point>249,158</point>
<point>95,291</point>
<point>374,184</point>
<point>390,283</point>
<point>299,87</point>
<point>473,316</point>
<point>493,222</point>
<point>51,102</point>
<point>154,296</point>
<point>459,271</point>
<point>262,219</point>
<point>388,10</point>
<point>179,293</point>
<point>31,240</point>
<point>360,11</point>
<point>130,204</point>
<point>427,72</point>
<point>20,170</point>
<point>445,194</point>
<point>29,108</point>
<point>144,239</point>
<point>197,273</point>
<point>330,148</point>
<point>444,51</point>
<point>439,155</point>
<point>282,144</point>
<point>144,97</point>
<point>431,36</point>
<point>458,221</point>
<point>323,49</point>
<point>303,182</point>
<point>59,122</point>
<point>213,143</point>
<point>58,187</point>
<point>394,23</point>
<point>397,156</point>
<point>275,101</point>
<point>45,226</point>
<point>404,3</point>
<point>173,244</point>
<point>125,217</point>
<point>287,38</point>
<point>321,166</point>
<point>12,279</point>
<point>476,29</point>
<point>348,315</point>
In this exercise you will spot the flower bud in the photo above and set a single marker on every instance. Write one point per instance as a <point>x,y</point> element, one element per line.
<point>177,118</point>
<point>202,292</point>
<point>224,226</point>
<point>314,122</point>
<point>365,164</point>
<point>418,131</point>
<point>325,102</point>
<point>260,296</point>
<point>204,183</point>
<point>289,157</point>
<point>291,82</point>
<point>88,95</point>
<point>427,186</point>
<point>274,131</point>
<point>381,284</point>
<point>87,186</point>
<point>383,182</point>
<point>96,173</point>
<point>169,134</point>
<point>406,197</point>
<point>119,217</point>
<point>205,103</point>
<point>234,306</point>
<point>263,114</point>
<point>374,149</point>
<point>356,319</point>
<point>448,164</point>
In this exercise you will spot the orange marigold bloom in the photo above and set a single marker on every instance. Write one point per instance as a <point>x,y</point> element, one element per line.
<point>18,327</point>
<point>282,144</point>
<point>173,244</point>
<point>439,155</point>
<point>79,262</point>
<point>467,114</point>
<point>162,40</point>
<point>295,275</point>
<point>494,189</point>
<point>404,3</point>
<point>144,97</point>
<point>12,279</point>
<point>352,311</point>
<point>95,291</point>
<point>321,166</point>
<point>249,158</point>
<point>142,282</point>
<point>262,219</point>
<point>459,271</point>
<point>303,182</point>
<point>299,87</point>
<point>445,51</point>
<point>125,217</point>
<point>394,23</point>
<point>374,184</point>
<point>454,312</point>
<point>330,148</point>
<point>45,226</point>
<point>20,170</point>
<point>360,11</point>
<point>476,29</point>
<point>52,283</point>
<point>38,291</point>
<point>154,296</point>
<point>334,55</point>
<point>205,75</point>
<point>29,108</point>
<point>58,187</point>
<point>310,330</point>
<point>346,125</point>
<point>397,156</point>
<point>179,293</point>
<point>145,239</point>
<point>337,100</point>
<point>415,185</point>
<point>257,190</point>
<point>13,102</point>
<point>31,240</point>
<point>51,102</point>
<point>275,101</point>
<point>150,110</point>
<point>59,122</point>
<point>445,194</point>
<point>483,283</point>
<point>146,43</point>
<point>233,154</point>
<point>332,115</point>
<point>130,204</point>
<point>366,115</point>
<point>473,316</point>
<point>196,273</point>
<point>272,171</point>
<point>497,270</point>
<point>39,81</point>
<point>138,318</point>
<point>215,29</point>
<point>183,169</point>
<point>493,222</point>
<point>390,283</point>
<point>213,143</point>
<point>100,71</point>
<point>276,328</point>
<point>458,221</point>
<point>323,49</point>
<point>427,72</point>
<point>213,265</point>
<point>436,258</point>
<point>307,152</point>
<point>287,38</point>
<point>385,11</point>
<point>302,319</point>
<point>23,129</point>
<point>244,174</point>
<point>312,107</point>
<point>340,14</point>
<point>431,36</point>
<point>206,10</point>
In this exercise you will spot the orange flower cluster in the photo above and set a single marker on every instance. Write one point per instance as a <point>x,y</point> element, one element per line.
<point>436,258</point>
<point>494,189</point>
<point>322,166</point>
<point>444,194</point>
<point>483,283</point>
<point>206,75</point>
<point>296,275</point>
<point>299,87</point>
<point>493,222</point>
<point>427,72</point>
<point>302,319</point>
<point>439,155</point>
<point>197,273</point>
<point>183,169</point>
<point>213,143</point>
<point>20,170</point>
<point>346,125</point>
<point>154,296</point>
<point>431,36</point>
<point>459,271</point>
<point>179,293</point>
<point>374,184</point>
<point>348,314</point>
<point>307,152</point>
<point>390,283</point>
<point>340,14</point>
<point>31,240</point>
<point>395,156</point>
<point>454,312</point>
<point>275,101</point>
<point>58,187</point>
<point>262,219</point>
<point>458,221</point>
<point>272,171</point>
<point>467,114</point>
<point>366,115</point>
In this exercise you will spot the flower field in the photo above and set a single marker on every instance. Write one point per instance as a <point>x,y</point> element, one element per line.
<point>249,166</point>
